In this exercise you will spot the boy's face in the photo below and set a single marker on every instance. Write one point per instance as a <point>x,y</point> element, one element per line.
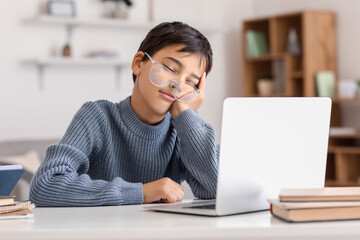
<point>154,102</point>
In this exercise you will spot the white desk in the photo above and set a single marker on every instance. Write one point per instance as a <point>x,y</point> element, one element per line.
<point>132,222</point>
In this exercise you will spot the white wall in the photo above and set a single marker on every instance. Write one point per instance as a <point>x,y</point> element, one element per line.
<point>348,37</point>
<point>26,112</point>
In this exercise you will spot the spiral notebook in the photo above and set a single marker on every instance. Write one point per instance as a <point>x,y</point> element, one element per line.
<point>16,207</point>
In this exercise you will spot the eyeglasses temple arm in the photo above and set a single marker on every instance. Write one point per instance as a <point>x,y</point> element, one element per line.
<point>152,60</point>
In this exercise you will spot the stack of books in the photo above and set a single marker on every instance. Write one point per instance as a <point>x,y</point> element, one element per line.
<point>317,204</point>
<point>10,209</point>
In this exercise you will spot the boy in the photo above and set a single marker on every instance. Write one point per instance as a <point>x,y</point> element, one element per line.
<point>141,149</point>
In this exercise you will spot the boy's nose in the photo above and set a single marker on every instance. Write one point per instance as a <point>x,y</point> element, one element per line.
<point>173,84</point>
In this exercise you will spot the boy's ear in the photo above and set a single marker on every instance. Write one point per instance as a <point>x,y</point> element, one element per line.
<point>136,63</point>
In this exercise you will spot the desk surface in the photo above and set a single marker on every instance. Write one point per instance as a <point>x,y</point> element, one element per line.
<point>133,222</point>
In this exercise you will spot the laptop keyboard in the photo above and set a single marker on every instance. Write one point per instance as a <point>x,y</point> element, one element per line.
<point>208,206</point>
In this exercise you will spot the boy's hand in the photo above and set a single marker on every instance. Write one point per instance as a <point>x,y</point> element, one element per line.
<point>195,103</point>
<point>163,189</point>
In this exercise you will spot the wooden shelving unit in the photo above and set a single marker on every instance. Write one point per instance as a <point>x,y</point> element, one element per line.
<point>317,37</point>
<point>316,34</point>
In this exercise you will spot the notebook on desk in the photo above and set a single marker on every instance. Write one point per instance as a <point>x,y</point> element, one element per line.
<point>266,144</point>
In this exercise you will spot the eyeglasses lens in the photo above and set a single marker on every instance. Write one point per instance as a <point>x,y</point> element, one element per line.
<point>160,76</point>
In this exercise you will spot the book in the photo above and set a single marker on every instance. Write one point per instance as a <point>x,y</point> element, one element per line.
<point>6,200</point>
<point>315,211</point>
<point>17,206</point>
<point>9,176</point>
<point>278,72</point>
<point>256,43</point>
<point>320,194</point>
<point>26,213</point>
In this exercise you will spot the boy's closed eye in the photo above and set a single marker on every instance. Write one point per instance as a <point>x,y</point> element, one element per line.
<point>169,68</point>
<point>194,79</point>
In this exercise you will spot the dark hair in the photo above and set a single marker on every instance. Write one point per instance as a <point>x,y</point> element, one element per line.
<point>177,33</point>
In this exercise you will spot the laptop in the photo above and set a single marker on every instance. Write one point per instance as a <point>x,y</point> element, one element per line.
<point>266,144</point>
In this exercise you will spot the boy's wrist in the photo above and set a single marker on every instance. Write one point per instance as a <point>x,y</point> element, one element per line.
<point>177,108</point>
<point>187,121</point>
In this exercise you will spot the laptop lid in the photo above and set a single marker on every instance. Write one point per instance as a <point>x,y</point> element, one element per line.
<point>268,144</point>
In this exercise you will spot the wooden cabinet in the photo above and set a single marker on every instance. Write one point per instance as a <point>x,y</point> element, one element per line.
<point>316,34</point>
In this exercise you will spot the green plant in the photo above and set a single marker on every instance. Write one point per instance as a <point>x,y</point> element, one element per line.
<point>128,3</point>
<point>267,77</point>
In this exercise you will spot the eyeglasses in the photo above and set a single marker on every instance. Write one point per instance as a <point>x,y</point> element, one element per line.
<point>161,76</point>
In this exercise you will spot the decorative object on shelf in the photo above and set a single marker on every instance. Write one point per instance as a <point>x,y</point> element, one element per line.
<point>256,44</point>
<point>293,44</point>
<point>61,8</point>
<point>348,88</point>
<point>266,86</point>
<point>325,84</point>
<point>122,7</point>
<point>66,52</point>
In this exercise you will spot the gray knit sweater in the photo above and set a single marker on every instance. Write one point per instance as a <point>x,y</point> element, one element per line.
<point>107,153</point>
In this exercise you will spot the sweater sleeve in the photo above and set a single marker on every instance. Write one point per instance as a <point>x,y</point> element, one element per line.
<point>62,178</point>
<point>199,153</point>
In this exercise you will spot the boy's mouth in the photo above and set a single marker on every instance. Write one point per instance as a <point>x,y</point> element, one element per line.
<point>168,96</point>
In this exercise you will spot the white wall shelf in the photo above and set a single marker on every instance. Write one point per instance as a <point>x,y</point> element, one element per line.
<point>43,63</point>
<point>110,22</point>
<point>91,22</point>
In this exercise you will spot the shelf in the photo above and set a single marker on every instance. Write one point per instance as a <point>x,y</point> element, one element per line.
<point>42,63</point>
<point>268,57</point>
<point>108,22</point>
<point>344,150</point>
<point>297,74</point>
<point>91,22</point>
<point>77,61</point>
<point>334,183</point>
<point>345,100</point>
<point>354,135</point>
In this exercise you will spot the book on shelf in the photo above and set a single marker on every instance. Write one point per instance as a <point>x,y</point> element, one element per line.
<point>6,200</point>
<point>9,176</point>
<point>256,44</point>
<point>278,70</point>
<point>315,211</point>
<point>320,194</point>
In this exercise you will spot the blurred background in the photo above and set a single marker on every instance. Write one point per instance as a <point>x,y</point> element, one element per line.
<point>56,55</point>
<point>31,111</point>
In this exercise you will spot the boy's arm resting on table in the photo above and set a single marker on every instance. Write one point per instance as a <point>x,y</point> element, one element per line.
<point>199,153</point>
<point>61,179</point>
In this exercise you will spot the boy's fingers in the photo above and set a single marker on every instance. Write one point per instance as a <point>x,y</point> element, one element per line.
<point>202,83</point>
